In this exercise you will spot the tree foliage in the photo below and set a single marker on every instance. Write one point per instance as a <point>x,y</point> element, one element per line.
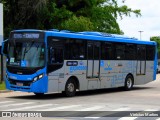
<point>157,39</point>
<point>78,24</point>
<point>75,15</point>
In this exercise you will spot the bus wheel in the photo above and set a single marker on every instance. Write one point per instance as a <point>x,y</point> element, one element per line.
<point>70,88</point>
<point>128,82</point>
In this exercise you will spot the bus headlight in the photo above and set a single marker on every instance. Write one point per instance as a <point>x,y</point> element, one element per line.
<point>38,77</point>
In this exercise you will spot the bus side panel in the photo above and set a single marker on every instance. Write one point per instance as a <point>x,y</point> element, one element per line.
<point>114,72</point>
<point>148,76</point>
<point>149,71</point>
<point>55,79</point>
<point>78,71</point>
<point>108,73</point>
<point>139,79</point>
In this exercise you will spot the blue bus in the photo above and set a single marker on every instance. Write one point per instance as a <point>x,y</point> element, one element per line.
<point>48,61</point>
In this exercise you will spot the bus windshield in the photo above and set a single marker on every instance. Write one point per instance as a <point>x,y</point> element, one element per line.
<point>26,54</point>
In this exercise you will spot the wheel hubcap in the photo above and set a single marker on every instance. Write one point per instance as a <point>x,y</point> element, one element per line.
<point>129,83</point>
<point>70,87</point>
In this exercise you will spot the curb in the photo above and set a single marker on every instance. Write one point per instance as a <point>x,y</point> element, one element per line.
<point>4,91</point>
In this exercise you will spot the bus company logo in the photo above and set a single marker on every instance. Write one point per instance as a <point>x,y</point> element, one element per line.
<point>108,67</point>
<point>77,68</point>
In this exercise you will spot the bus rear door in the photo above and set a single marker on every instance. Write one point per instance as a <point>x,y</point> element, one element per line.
<point>141,60</point>
<point>93,59</point>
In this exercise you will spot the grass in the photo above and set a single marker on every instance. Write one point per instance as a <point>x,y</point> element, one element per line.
<point>2,86</point>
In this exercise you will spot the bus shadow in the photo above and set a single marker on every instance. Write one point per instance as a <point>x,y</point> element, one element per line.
<point>78,94</point>
<point>108,91</point>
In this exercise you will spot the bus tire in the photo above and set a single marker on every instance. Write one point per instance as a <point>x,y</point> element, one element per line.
<point>128,83</point>
<point>70,88</point>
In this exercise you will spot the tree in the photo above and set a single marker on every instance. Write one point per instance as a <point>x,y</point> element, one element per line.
<point>102,13</point>
<point>75,15</point>
<point>157,39</point>
<point>20,14</point>
<point>78,24</point>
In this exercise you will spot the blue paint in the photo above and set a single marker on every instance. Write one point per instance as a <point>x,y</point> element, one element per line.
<point>155,64</point>
<point>39,86</point>
<point>97,38</point>
<point>102,63</point>
<point>23,63</point>
<point>77,68</point>
<point>93,37</point>
<point>35,87</point>
<point>107,69</point>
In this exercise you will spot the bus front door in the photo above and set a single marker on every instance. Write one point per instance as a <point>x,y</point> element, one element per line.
<point>93,59</point>
<point>141,60</point>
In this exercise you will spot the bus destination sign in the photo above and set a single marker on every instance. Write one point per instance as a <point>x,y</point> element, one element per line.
<point>26,35</point>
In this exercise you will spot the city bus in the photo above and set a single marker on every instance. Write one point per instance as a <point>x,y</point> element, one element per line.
<point>48,61</point>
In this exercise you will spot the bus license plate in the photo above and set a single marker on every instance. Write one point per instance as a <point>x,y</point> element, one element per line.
<point>19,84</point>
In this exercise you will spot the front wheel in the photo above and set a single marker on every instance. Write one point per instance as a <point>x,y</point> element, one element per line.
<point>128,82</point>
<point>70,88</point>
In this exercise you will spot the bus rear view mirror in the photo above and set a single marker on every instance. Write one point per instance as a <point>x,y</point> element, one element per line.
<point>4,49</point>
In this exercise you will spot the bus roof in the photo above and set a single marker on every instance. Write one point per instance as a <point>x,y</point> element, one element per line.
<point>89,35</point>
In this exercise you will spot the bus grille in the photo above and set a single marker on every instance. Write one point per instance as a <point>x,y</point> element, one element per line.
<point>24,83</point>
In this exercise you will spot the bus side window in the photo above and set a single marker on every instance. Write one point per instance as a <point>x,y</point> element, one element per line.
<point>51,55</point>
<point>120,51</point>
<point>75,49</point>
<point>55,55</point>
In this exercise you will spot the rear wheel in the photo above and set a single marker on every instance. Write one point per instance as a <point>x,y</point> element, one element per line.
<point>128,82</point>
<point>70,88</point>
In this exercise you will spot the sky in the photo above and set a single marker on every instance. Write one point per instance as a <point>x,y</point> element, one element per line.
<point>149,22</point>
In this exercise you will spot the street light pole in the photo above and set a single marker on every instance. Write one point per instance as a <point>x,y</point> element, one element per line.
<point>140,33</point>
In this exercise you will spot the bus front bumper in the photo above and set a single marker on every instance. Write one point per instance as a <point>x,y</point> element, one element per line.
<point>39,86</point>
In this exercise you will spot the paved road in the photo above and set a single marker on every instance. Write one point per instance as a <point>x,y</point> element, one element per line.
<point>95,103</point>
